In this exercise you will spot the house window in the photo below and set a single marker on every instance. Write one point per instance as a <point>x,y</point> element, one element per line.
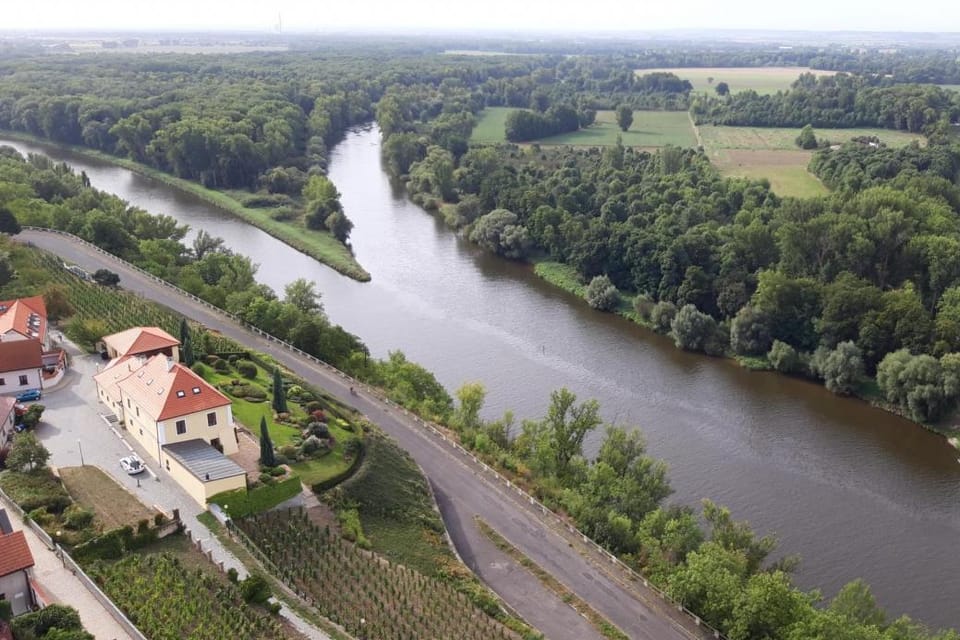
<point>211,419</point>
<point>181,427</point>
<point>23,380</point>
<point>128,403</point>
<point>2,382</point>
<point>196,390</point>
<point>181,393</point>
<point>138,412</point>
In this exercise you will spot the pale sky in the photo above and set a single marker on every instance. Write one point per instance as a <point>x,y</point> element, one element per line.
<point>520,15</point>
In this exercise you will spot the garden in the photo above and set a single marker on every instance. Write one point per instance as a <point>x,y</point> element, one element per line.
<point>369,596</point>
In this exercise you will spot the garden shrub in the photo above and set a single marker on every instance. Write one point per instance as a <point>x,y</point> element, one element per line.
<point>311,446</point>
<point>200,369</point>
<point>221,365</point>
<point>212,359</point>
<point>255,588</point>
<point>42,517</point>
<point>77,518</point>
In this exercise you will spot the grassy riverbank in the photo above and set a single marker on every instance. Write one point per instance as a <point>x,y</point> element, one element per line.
<point>319,245</point>
<point>566,277</point>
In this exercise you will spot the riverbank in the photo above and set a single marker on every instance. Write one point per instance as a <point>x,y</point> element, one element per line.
<point>319,245</point>
<point>566,277</point>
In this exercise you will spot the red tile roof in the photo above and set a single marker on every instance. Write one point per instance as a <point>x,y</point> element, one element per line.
<point>140,340</point>
<point>15,315</point>
<point>168,389</point>
<point>17,355</point>
<point>14,553</point>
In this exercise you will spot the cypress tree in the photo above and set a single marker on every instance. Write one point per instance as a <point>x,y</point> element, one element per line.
<point>279,397</point>
<point>186,344</point>
<point>267,458</point>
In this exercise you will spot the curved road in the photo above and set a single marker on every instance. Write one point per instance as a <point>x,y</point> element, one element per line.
<point>463,488</point>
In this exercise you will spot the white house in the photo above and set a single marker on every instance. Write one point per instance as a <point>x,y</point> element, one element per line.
<point>16,562</point>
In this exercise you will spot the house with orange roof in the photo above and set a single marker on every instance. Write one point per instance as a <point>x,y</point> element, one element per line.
<point>183,422</point>
<point>16,563</point>
<point>24,319</point>
<point>7,419</point>
<point>141,341</point>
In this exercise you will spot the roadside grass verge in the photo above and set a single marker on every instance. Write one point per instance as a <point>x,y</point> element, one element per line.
<point>319,245</point>
<point>113,505</point>
<point>608,629</point>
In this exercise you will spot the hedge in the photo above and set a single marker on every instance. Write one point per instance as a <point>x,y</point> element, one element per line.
<point>329,483</point>
<point>240,503</point>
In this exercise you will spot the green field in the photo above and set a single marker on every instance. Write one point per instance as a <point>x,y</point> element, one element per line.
<point>649,129</point>
<point>760,79</point>
<point>771,153</point>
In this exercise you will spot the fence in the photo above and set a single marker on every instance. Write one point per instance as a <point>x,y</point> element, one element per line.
<point>433,429</point>
<point>69,563</point>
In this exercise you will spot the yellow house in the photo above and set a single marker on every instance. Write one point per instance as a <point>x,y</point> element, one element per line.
<point>175,414</point>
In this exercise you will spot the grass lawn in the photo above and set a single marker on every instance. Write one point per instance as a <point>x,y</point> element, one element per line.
<point>115,506</point>
<point>649,129</point>
<point>770,152</point>
<point>761,79</point>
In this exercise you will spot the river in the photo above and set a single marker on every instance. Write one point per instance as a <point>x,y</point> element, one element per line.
<point>855,491</point>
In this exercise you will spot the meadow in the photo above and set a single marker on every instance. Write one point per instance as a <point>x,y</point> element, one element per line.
<point>763,80</point>
<point>771,153</point>
<point>649,129</point>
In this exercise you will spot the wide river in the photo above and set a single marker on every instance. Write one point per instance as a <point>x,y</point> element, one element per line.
<point>855,491</point>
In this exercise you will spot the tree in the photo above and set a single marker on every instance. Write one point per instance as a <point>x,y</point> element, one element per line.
<point>186,344</point>
<point>624,117</point>
<point>8,222</point>
<point>267,457</point>
<point>807,138</point>
<point>499,232</point>
<point>106,278</point>
<point>471,396</point>
<point>279,395</point>
<point>602,294</point>
<point>339,225</point>
<point>566,425</point>
<point>205,243</point>
<point>7,272</point>
<point>302,294</point>
<point>855,602</point>
<point>27,453</point>
<point>57,303</point>
<point>692,329</point>
<point>32,417</point>
<point>783,357</point>
<point>750,332</point>
<point>662,315</point>
<point>768,607</point>
<point>722,89</point>
<point>914,383</point>
<point>841,368</point>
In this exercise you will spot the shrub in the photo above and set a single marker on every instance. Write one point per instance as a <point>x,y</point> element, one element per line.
<point>289,452</point>
<point>254,392</point>
<point>602,294</point>
<point>77,518</point>
<point>318,429</point>
<point>661,316</point>
<point>692,329</point>
<point>265,478</point>
<point>200,369</point>
<point>841,369</point>
<point>643,305</point>
<point>312,407</point>
<point>212,359</point>
<point>42,517</point>
<point>255,588</point>
<point>311,445</point>
<point>221,365</point>
<point>232,575</point>
<point>247,369</point>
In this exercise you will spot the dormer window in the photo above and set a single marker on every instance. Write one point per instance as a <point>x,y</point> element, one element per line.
<point>181,393</point>
<point>196,390</point>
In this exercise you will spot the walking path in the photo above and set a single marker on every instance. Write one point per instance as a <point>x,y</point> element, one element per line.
<point>62,587</point>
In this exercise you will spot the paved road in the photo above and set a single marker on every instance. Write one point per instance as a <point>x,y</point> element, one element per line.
<point>463,489</point>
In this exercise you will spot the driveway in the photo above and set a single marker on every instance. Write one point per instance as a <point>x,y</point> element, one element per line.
<point>74,432</point>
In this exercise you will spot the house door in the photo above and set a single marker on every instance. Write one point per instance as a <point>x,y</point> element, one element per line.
<point>215,443</point>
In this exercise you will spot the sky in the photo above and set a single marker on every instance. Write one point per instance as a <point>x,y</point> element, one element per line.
<point>518,15</point>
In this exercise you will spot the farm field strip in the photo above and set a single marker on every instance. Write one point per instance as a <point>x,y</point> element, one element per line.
<point>760,79</point>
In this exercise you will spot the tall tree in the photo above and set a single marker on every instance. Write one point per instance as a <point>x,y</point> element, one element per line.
<point>279,396</point>
<point>186,344</point>
<point>8,222</point>
<point>567,424</point>
<point>624,117</point>
<point>267,457</point>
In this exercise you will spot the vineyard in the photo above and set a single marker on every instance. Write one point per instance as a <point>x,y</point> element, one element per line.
<point>369,596</point>
<point>168,601</point>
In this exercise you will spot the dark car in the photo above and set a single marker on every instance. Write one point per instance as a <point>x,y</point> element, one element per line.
<point>30,395</point>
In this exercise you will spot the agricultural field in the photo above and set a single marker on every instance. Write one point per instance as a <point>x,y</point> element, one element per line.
<point>114,506</point>
<point>369,596</point>
<point>649,129</point>
<point>771,153</point>
<point>763,80</point>
<point>204,607</point>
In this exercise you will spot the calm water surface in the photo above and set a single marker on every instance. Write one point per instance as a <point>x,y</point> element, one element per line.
<point>855,491</point>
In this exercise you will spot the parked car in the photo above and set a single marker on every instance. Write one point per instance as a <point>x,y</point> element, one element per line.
<point>30,395</point>
<point>132,465</point>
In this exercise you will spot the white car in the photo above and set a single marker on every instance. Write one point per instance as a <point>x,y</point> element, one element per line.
<point>132,465</point>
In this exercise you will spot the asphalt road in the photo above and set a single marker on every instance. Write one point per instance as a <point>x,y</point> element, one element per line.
<point>463,491</point>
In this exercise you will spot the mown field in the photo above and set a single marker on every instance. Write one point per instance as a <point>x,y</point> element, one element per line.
<point>771,153</point>
<point>760,79</point>
<point>649,129</point>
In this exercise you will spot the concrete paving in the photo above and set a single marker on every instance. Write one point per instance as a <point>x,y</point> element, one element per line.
<point>75,433</point>
<point>467,489</point>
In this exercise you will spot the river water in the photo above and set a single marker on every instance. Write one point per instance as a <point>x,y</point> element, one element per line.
<point>855,491</point>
